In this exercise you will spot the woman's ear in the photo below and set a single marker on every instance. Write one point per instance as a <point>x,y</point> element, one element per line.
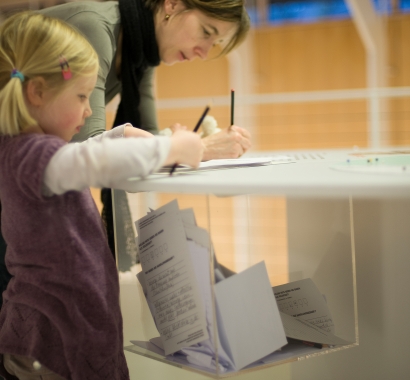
<point>35,91</point>
<point>172,6</point>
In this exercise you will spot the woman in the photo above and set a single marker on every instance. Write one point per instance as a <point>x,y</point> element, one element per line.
<point>131,37</point>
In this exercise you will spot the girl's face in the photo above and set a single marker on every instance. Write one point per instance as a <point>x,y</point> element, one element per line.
<point>64,115</point>
<point>188,34</point>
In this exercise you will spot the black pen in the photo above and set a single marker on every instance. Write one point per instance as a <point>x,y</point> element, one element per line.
<point>201,119</point>
<point>232,105</point>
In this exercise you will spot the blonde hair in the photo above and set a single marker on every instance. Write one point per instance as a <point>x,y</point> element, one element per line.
<point>33,44</point>
<point>233,11</point>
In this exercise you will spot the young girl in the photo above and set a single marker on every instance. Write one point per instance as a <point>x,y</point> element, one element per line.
<point>61,317</point>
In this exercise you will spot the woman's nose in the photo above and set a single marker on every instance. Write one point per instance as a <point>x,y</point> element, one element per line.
<point>203,49</point>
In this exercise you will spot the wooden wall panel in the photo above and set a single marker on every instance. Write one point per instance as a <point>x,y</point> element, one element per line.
<point>310,57</point>
<point>399,115</point>
<point>268,236</point>
<point>197,78</point>
<point>189,116</point>
<point>313,57</point>
<point>399,38</point>
<point>312,125</point>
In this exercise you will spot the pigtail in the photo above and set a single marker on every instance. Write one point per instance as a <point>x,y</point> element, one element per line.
<point>14,115</point>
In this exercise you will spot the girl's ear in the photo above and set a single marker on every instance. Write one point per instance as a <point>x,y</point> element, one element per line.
<point>35,91</point>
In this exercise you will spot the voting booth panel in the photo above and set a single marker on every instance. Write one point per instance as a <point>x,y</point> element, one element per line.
<point>227,285</point>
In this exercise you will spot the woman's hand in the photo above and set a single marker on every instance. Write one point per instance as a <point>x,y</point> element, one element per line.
<point>186,148</point>
<point>231,142</point>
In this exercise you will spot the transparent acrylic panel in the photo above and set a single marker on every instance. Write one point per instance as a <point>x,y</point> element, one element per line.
<point>295,239</point>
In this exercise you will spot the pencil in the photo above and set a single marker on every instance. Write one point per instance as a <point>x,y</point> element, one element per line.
<point>201,119</point>
<point>232,105</point>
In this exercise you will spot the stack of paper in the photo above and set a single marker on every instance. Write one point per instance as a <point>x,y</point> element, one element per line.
<point>233,163</point>
<point>250,321</point>
<point>176,258</point>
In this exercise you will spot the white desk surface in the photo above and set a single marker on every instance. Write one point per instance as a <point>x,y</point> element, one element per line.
<point>381,246</point>
<point>311,175</point>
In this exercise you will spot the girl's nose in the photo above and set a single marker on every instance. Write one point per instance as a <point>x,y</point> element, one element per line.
<point>88,111</point>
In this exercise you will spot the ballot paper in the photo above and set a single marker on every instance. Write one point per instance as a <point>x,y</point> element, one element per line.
<point>247,326</point>
<point>169,279</point>
<point>249,316</point>
<point>299,329</point>
<point>305,314</point>
<point>201,354</point>
<point>232,163</point>
<point>218,324</point>
<point>303,299</point>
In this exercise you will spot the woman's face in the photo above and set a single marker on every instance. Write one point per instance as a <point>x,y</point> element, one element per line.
<point>188,34</point>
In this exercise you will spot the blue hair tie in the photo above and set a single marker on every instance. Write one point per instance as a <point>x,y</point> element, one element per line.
<point>17,74</point>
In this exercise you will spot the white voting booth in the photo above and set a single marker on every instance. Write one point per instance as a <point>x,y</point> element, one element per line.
<point>279,305</point>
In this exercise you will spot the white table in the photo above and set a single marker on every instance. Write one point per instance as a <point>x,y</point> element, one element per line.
<point>381,217</point>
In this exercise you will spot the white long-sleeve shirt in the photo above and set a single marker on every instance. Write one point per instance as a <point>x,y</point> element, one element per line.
<point>106,160</point>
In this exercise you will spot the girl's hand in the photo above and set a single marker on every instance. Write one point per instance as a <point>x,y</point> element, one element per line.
<point>186,149</point>
<point>177,127</point>
<point>130,131</point>
<point>172,129</point>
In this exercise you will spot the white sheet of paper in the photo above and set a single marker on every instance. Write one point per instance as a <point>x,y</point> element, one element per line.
<point>157,341</point>
<point>303,299</point>
<point>188,216</point>
<point>170,279</point>
<point>297,328</point>
<point>251,161</point>
<point>198,241</point>
<point>200,247</point>
<point>201,263</point>
<point>232,163</point>
<point>249,315</point>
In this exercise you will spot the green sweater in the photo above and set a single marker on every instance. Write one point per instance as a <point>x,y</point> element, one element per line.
<point>100,23</point>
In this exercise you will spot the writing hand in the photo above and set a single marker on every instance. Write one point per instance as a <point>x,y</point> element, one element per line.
<point>177,127</point>
<point>130,131</point>
<point>186,148</point>
<point>231,142</point>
